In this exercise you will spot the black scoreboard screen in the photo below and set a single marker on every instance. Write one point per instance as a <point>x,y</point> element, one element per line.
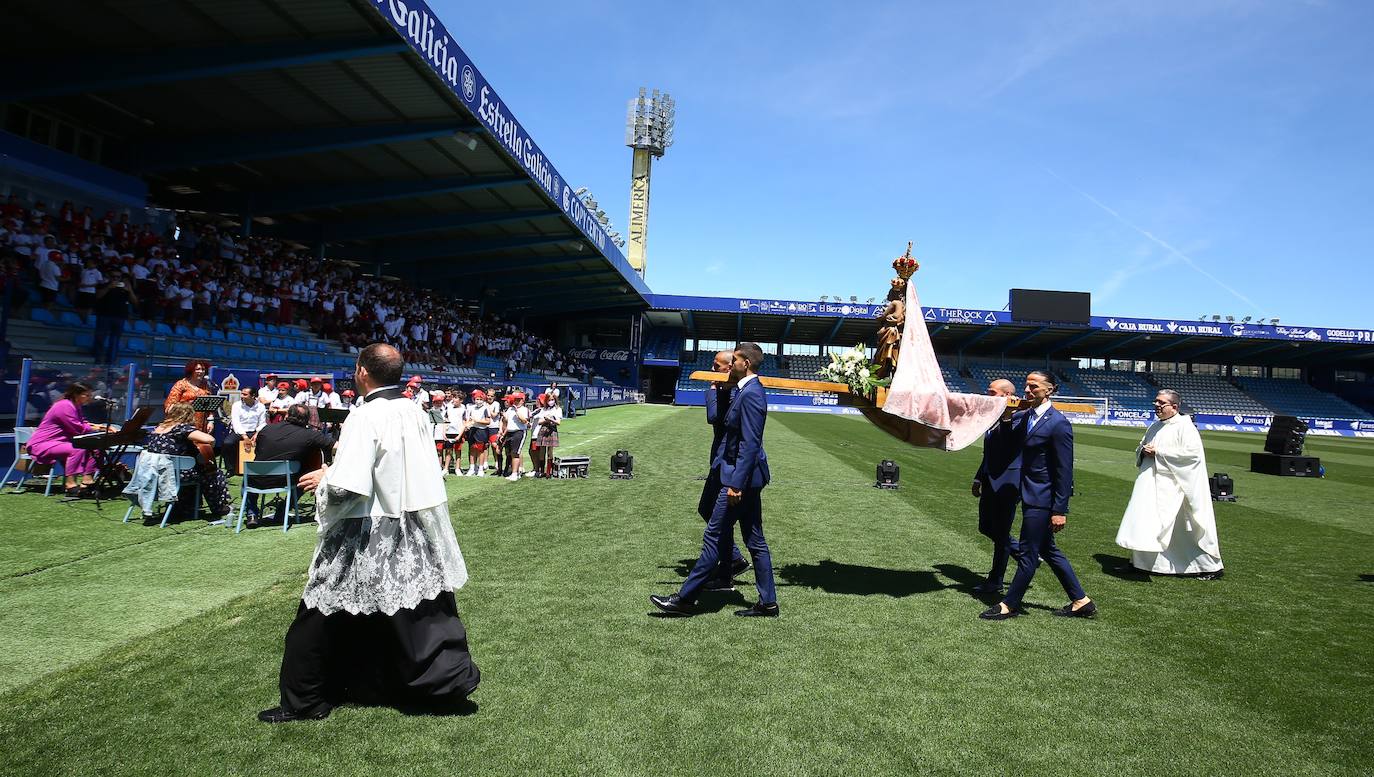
<point>1070,307</point>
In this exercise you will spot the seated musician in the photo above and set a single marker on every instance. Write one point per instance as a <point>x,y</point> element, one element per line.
<point>51,442</point>
<point>290,441</point>
<point>177,436</point>
<point>246,417</point>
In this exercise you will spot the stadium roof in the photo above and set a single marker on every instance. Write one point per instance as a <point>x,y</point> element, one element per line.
<point>993,333</point>
<point>356,124</point>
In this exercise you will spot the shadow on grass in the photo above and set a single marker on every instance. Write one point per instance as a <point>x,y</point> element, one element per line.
<point>1120,568</point>
<point>1367,578</point>
<point>839,578</point>
<point>964,581</point>
<point>458,709</point>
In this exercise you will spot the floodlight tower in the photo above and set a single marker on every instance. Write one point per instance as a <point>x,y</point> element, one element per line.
<point>649,131</point>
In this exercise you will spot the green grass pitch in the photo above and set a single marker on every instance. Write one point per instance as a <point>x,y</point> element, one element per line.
<point>127,649</point>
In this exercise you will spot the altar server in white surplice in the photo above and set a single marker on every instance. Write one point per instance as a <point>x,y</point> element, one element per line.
<point>378,622</point>
<point>1169,526</point>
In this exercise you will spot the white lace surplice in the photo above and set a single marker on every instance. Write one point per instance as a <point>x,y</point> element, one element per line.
<point>386,541</point>
<point>937,417</point>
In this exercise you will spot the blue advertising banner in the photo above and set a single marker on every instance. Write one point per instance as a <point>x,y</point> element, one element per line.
<point>421,28</point>
<point>778,402</point>
<point>980,317</point>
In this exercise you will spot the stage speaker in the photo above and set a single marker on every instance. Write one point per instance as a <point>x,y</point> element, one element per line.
<point>622,465</point>
<point>1287,466</point>
<point>567,467</point>
<point>1286,436</point>
<point>1222,487</point>
<point>888,474</point>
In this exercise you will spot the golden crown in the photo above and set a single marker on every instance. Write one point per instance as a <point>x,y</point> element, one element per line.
<point>906,265</point>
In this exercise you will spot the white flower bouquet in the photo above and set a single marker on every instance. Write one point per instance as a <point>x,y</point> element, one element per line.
<point>853,369</point>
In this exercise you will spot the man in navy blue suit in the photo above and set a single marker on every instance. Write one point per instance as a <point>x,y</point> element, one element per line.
<point>717,406</point>
<point>997,484</point>
<point>741,465</point>
<point>1046,484</point>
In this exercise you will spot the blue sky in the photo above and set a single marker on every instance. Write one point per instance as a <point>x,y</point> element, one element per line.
<point>1172,158</point>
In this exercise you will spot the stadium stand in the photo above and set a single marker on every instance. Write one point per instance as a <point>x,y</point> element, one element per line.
<point>240,302</point>
<point>1210,394</point>
<point>1293,397</point>
<point>1126,390</point>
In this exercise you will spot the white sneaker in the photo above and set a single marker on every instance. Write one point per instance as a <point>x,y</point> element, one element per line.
<point>481,473</point>
<point>513,477</point>
<point>529,474</point>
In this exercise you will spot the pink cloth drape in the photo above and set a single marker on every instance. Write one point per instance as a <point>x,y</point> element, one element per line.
<point>930,414</point>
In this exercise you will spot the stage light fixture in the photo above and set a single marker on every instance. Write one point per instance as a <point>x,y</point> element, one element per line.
<point>622,465</point>
<point>1245,320</point>
<point>888,474</point>
<point>825,297</point>
<point>1222,487</point>
<point>853,298</point>
<point>1230,319</point>
<point>1275,321</point>
<point>1216,317</point>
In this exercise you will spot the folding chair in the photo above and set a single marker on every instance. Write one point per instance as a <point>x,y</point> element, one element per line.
<point>260,468</point>
<point>179,464</point>
<point>21,438</point>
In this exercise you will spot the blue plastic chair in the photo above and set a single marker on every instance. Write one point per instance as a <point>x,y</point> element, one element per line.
<point>41,314</point>
<point>141,327</point>
<point>260,468</point>
<point>21,438</point>
<point>68,318</point>
<point>179,463</point>
<point>234,336</point>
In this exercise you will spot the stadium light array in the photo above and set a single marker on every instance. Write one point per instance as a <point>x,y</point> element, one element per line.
<point>650,121</point>
<point>825,297</point>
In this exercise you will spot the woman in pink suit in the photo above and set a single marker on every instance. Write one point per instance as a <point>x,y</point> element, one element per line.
<point>52,440</point>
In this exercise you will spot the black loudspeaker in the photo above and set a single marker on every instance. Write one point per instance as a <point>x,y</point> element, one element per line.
<point>622,465</point>
<point>1286,436</point>
<point>1290,466</point>
<point>1222,487</point>
<point>889,474</point>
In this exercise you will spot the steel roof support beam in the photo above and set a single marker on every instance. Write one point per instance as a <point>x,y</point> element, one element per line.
<point>176,65</point>
<point>400,225</point>
<point>1190,357</point>
<point>786,330</point>
<point>267,203</point>
<point>1167,345</point>
<point>161,157</point>
<point>1023,339</point>
<point>691,324</point>
<point>1126,342</point>
<point>739,327</point>
<point>972,340</point>
<point>1072,341</point>
<point>424,250</point>
<point>834,330</point>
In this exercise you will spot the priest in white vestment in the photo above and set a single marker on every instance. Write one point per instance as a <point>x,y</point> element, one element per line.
<point>378,622</point>
<point>1169,526</point>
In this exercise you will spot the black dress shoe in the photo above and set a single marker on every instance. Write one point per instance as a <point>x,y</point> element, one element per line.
<point>1211,575</point>
<point>1086,611</point>
<point>989,587</point>
<point>739,566</point>
<point>759,610</point>
<point>672,606</point>
<point>994,613</point>
<point>279,715</point>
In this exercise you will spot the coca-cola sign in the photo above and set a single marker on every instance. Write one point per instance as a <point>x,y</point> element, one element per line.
<point>590,354</point>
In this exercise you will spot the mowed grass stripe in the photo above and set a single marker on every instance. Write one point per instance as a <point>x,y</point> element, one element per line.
<point>878,663</point>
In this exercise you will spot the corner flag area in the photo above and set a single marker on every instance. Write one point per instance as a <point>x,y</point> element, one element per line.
<point>127,649</point>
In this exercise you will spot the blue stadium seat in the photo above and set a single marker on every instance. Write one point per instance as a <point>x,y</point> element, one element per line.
<point>235,352</point>
<point>140,326</point>
<point>218,352</point>
<point>84,339</point>
<point>40,314</point>
<point>136,345</point>
<point>68,318</point>
<point>216,335</point>
<point>163,329</point>
<point>234,336</point>
<point>181,330</point>
<point>181,348</point>
<point>258,326</point>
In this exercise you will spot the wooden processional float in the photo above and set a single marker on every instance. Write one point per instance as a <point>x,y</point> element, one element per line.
<point>916,407</point>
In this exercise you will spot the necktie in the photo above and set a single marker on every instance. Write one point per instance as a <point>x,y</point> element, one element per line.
<point>1030,426</point>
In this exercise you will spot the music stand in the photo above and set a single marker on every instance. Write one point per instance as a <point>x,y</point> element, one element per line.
<point>211,403</point>
<point>333,415</point>
<point>111,448</point>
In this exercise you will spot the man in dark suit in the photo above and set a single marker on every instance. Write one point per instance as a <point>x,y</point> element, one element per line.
<point>997,485</point>
<point>1046,484</point>
<point>295,441</point>
<point>717,406</point>
<point>742,468</point>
